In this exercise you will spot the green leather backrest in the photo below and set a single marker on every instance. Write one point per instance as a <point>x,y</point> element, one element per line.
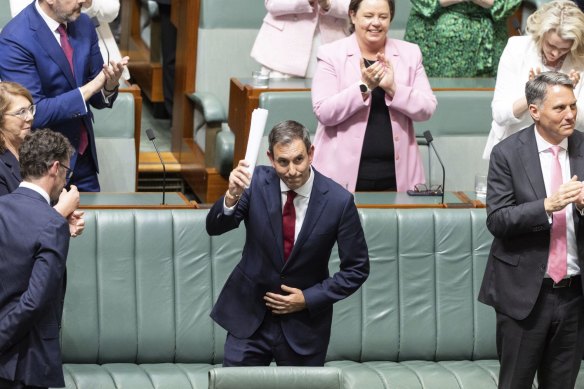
<point>117,121</point>
<point>288,106</point>
<point>460,113</point>
<point>141,284</point>
<point>216,14</point>
<point>5,14</point>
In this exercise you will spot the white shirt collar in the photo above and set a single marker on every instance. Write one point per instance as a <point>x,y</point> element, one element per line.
<point>52,23</point>
<point>36,188</point>
<point>305,189</point>
<point>544,145</point>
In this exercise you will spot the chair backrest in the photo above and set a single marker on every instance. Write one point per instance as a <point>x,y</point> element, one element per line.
<point>116,151</point>
<point>141,284</point>
<point>397,28</point>
<point>5,14</point>
<point>227,31</point>
<point>460,127</point>
<point>285,106</point>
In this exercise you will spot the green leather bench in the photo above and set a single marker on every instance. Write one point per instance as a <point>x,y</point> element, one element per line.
<point>141,284</point>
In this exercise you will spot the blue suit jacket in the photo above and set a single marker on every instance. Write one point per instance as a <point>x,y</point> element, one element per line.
<point>516,217</point>
<point>9,173</point>
<point>331,218</point>
<point>32,57</point>
<point>35,241</point>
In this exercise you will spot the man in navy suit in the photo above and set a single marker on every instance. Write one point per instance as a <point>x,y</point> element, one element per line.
<point>34,241</point>
<point>52,49</point>
<point>535,206</point>
<point>278,301</point>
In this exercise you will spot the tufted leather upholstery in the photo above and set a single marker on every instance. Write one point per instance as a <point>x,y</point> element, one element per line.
<point>141,284</point>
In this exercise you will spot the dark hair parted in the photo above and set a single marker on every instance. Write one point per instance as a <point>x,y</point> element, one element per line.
<point>8,90</point>
<point>287,131</point>
<point>536,89</point>
<point>354,7</point>
<point>40,149</point>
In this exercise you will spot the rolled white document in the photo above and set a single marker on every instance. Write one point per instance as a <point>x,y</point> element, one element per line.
<point>259,117</point>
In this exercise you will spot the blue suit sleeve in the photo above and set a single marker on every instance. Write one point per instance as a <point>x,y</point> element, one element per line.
<point>354,267</point>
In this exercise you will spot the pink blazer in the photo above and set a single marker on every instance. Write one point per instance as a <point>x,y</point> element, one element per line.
<point>342,113</point>
<point>285,39</point>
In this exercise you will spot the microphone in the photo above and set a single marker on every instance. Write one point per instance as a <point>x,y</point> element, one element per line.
<point>516,26</point>
<point>96,24</point>
<point>151,137</point>
<point>430,139</point>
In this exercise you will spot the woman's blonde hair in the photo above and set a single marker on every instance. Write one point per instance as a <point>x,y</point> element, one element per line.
<point>562,17</point>
<point>7,91</point>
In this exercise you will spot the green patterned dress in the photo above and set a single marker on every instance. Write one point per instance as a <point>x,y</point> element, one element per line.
<point>463,40</point>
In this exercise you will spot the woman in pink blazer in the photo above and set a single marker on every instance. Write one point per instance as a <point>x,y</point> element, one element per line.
<point>366,92</point>
<point>293,29</point>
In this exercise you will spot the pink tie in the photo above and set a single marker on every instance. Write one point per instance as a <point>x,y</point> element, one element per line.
<point>557,260</point>
<point>288,223</point>
<point>68,50</point>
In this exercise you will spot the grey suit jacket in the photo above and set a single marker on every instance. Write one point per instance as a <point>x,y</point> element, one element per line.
<point>516,217</point>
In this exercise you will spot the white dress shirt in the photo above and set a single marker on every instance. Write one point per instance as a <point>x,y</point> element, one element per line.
<point>36,188</point>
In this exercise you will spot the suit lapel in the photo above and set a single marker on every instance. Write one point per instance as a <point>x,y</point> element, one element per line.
<point>529,157</point>
<point>273,199</point>
<point>316,205</point>
<point>47,41</point>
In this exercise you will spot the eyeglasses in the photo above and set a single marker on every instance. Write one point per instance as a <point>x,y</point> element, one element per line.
<point>68,171</point>
<point>434,190</point>
<point>24,112</point>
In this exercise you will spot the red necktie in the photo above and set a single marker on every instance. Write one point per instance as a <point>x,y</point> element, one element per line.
<point>288,223</point>
<point>557,260</point>
<point>68,50</point>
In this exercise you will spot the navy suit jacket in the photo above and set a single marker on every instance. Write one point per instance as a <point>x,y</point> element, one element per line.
<point>331,218</point>
<point>32,57</point>
<point>35,240</point>
<point>9,173</point>
<point>516,217</point>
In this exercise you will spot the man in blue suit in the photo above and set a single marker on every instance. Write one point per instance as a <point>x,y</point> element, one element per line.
<point>278,301</point>
<point>52,49</point>
<point>34,241</point>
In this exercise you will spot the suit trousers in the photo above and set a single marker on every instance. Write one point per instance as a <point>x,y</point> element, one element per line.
<point>549,342</point>
<point>84,173</point>
<point>266,344</point>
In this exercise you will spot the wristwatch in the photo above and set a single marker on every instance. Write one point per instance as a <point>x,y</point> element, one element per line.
<point>364,88</point>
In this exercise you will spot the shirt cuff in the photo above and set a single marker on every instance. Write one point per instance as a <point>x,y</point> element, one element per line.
<point>82,99</point>
<point>228,211</point>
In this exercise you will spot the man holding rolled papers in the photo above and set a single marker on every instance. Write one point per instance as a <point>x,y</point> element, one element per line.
<point>278,302</point>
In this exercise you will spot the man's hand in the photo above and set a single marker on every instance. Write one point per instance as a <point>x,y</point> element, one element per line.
<point>282,304</point>
<point>239,179</point>
<point>569,192</point>
<point>76,223</point>
<point>68,201</point>
<point>113,72</point>
<point>87,4</point>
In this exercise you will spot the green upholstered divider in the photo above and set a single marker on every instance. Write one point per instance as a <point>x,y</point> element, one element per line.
<point>231,14</point>
<point>5,14</point>
<point>116,150</point>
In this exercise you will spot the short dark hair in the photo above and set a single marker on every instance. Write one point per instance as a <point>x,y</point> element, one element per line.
<point>40,149</point>
<point>536,89</point>
<point>355,4</point>
<point>287,131</point>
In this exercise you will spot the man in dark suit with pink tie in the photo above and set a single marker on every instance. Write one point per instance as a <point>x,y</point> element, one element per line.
<point>535,206</point>
<point>278,302</point>
<point>52,50</point>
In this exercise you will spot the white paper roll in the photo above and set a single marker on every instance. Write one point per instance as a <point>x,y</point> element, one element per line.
<point>259,117</point>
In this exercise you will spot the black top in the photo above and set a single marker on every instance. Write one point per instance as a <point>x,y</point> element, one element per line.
<point>377,155</point>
